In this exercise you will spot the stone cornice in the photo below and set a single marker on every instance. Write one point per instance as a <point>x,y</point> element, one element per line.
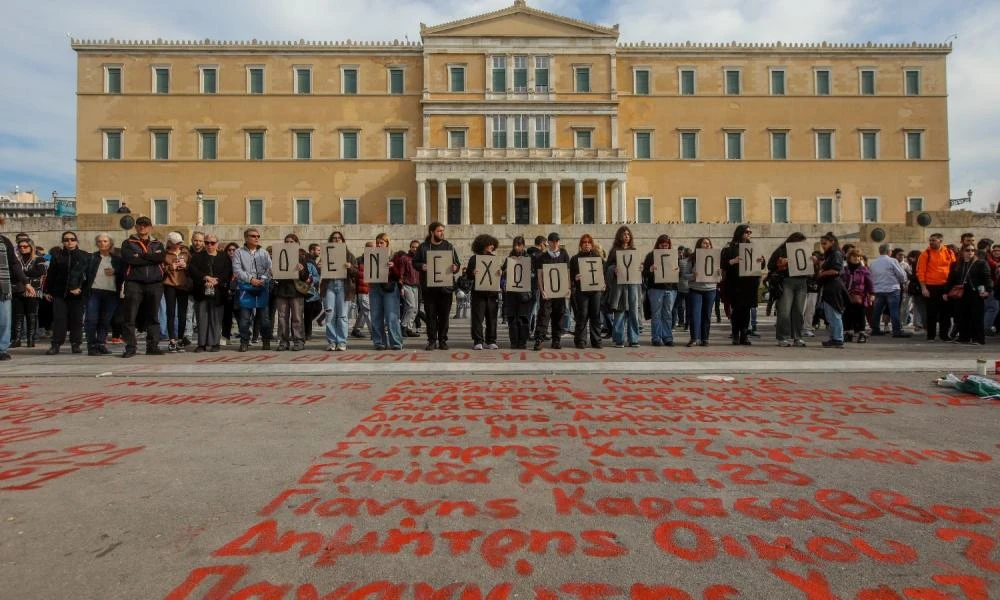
<point>254,45</point>
<point>689,47</point>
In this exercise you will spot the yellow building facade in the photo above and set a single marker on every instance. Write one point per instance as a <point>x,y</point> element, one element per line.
<point>515,116</point>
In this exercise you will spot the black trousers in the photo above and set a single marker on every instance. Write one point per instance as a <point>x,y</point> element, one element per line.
<point>310,312</point>
<point>854,318</point>
<point>437,308</point>
<point>484,307</point>
<point>24,309</point>
<point>144,297</point>
<point>938,312</point>
<point>969,314</point>
<point>67,313</point>
<point>588,317</point>
<point>739,320</point>
<point>177,308</point>
<point>550,310</point>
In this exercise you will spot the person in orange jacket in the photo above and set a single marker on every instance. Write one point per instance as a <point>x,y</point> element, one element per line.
<point>933,268</point>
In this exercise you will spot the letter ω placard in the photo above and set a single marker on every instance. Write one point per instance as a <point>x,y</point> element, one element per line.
<point>706,265</point>
<point>628,267</point>
<point>591,274</point>
<point>439,273</point>
<point>519,274</point>
<point>555,280</point>
<point>334,261</point>
<point>488,276</point>
<point>665,261</point>
<point>376,261</point>
<point>285,260</point>
<point>749,261</point>
<point>799,259</point>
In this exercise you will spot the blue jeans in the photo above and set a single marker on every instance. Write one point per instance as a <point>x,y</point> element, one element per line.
<point>246,319</point>
<point>163,318</point>
<point>836,322</point>
<point>336,312</point>
<point>661,311</point>
<point>629,317</point>
<point>992,307</point>
<point>101,307</point>
<point>5,323</point>
<point>385,317</point>
<point>700,313</point>
<point>881,301</point>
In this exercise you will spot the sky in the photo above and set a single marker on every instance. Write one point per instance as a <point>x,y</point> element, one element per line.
<point>37,108</point>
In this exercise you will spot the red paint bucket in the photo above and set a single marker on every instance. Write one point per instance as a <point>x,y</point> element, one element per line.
<point>996,368</point>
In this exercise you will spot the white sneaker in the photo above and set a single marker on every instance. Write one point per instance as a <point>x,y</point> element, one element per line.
<point>341,347</point>
<point>223,342</point>
<point>809,333</point>
<point>477,347</point>
<point>784,343</point>
<point>493,347</point>
<point>331,348</point>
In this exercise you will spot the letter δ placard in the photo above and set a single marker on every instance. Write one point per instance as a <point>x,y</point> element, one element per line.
<point>376,261</point>
<point>629,267</point>
<point>488,276</point>
<point>555,281</point>
<point>519,274</point>
<point>799,259</point>
<point>665,262</point>
<point>591,274</point>
<point>333,261</point>
<point>439,272</point>
<point>749,261</point>
<point>706,265</point>
<point>284,261</point>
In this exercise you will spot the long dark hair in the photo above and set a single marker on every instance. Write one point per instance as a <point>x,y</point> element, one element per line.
<point>482,240</point>
<point>694,251</point>
<point>620,238</point>
<point>329,240</point>
<point>662,238</point>
<point>798,236</point>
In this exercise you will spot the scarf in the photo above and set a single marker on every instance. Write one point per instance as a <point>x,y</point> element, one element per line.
<point>5,288</point>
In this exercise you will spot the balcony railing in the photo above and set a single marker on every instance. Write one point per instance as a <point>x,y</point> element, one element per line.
<point>520,153</point>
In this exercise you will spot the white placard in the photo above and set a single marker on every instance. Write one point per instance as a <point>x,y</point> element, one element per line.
<point>591,274</point>
<point>439,273</point>
<point>284,263</point>
<point>555,280</point>
<point>333,261</point>
<point>749,261</point>
<point>519,274</point>
<point>376,262</point>
<point>488,275</point>
<point>706,265</point>
<point>628,267</point>
<point>799,259</point>
<point>665,263</point>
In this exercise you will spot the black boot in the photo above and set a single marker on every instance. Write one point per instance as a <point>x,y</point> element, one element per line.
<point>29,333</point>
<point>15,333</point>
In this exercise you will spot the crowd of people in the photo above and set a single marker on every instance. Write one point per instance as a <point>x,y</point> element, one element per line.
<point>946,292</point>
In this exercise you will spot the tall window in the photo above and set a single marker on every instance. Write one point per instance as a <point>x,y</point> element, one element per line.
<point>734,210</point>
<point>209,80</point>
<point>644,210</point>
<point>520,131</point>
<point>349,145</point>
<point>397,145</point>
<point>209,144</point>
<point>914,145</point>
<point>500,131</point>
<point>779,145</point>
<point>499,73</point>
<point>643,145</point>
<point>161,80</point>
<point>303,211</point>
<point>689,145</point>
<point>113,80</point>
<point>824,210</point>
<point>689,210</point>
<point>349,211</point>
<point>732,82</point>
<point>734,145</point>
<point>521,74</point>
<point>822,82</point>
<point>780,210</point>
<point>583,138</point>
<point>824,145</point>
<point>456,138</point>
<point>208,211</point>
<point>871,210</point>
<point>542,74</point>
<point>161,145</point>
<point>397,211</point>
<point>111,205</point>
<point>543,134</point>
<point>456,79</point>
<point>255,211</point>
<point>112,145</point>
<point>161,211</point>
<point>914,204</point>
<point>867,82</point>
<point>255,80</point>
<point>869,145</point>
<point>777,82</point>
<point>349,81</point>
<point>687,82</point>
<point>303,145</point>
<point>255,145</point>
<point>641,83</point>
<point>303,80</point>
<point>581,79</point>
<point>912,77</point>
<point>395,81</point>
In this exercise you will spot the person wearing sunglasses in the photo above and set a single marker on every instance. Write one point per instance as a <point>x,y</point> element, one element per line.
<point>144,258</point>
<point>252,267</point>
<point>65,287</point>
<point>210,272</point>
<point>16,287</point>
<point>104,280</point>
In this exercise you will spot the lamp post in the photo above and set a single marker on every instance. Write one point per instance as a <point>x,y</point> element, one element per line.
<point>837,194</point>
<point>201,209</point>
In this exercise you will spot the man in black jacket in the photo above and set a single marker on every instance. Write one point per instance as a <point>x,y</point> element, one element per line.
<point>553,309</point>
<point>437,300</point>
<point>143,257</point>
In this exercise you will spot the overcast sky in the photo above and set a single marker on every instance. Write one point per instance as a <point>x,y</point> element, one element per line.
<point>37,107</point>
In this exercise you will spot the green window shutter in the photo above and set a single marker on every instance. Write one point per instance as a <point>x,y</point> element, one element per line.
<point>209,81</point>
<point>256,145</point>
<point>303,145</point>
<point>303,81</point>
<point>160,212</point>
<point>256,210</point>
<point>161,142</point>
<point>395,81</point>
<point>642,83</point>
<point>457,79</point>
<point>350,81</point>
<point>256,81</point>
<point>499,139</point>
<point>913,83</point>
<point>499,80</point>
<point>824,145</point>
<point>520,79</point>
<point>114,145</point>
<point>779,146</point>
<point>350,144</point>
<point>780,210</point>
<point>690,210</point>
<point>302,211</point>
<point>778,83</point>
<point>583,80</point>
<point>689,145</point>
<point>733,149</point>
<point>825,210</point>
<point>732,83</point>
<point>687,83</point>
<point>914,150</point>
<point>114,80</point>
<point>642,145</point>
<point>868,146</point>
<point>735,212</point>
<point>163,81</point>
<point>871,210</point>
<point>350,212</point>
<point>396,145</point>
<point>541,139</point>
<point>541,79</point>
<point>208,212</point>
<point>583,139</point>
<point>644,211</point>
<point>397,216</point>
<point>822,83</point>
<point>209,143</point>
<point>868,83</point>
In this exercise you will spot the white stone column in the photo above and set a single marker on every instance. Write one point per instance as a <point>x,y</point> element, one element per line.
<point>602,208</point>
<point>488,201</point>
<point>578,201</point>
<point>533,199</point>
<point>556,202</point>
<point>465,202</point>
<point>623,199</point>
<point>615,204</point>
<point>510,201</point>
<point>421,202</point>
<point>509,119</point>
<point>442,212</point>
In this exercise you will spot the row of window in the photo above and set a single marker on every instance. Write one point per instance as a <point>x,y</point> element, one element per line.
<point>518,79</point>
<point>644,210</point>
<point>208,145</point>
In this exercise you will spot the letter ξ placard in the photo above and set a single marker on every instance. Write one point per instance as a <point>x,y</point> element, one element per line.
<point>376,261</point>
<point>519,274</point>
<point>799,259</point>
<point>628,269</point>
<point>665,261</point>
<point>284,261</point>
<point>749,261</point>
<point>706,265</point>
<point>555,280</point>
<point>591,274</point>
<point>439,272</point>
<point>488,276</point>
<point>333,261</point>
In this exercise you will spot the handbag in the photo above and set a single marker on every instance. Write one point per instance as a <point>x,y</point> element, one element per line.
<point>857,297</point>
<point>302,287</point>
<point>956,292</point>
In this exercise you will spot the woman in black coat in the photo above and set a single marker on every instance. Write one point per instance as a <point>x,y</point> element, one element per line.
<point>24,307</point>
<point>66,287</point>
<point>973,275</point>
<point>210,272</point>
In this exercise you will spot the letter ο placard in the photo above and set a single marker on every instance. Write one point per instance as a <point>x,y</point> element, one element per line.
<point>555,280</point>
<point>284,261</point>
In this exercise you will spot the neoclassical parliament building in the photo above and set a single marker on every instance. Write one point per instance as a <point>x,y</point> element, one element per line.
<point>515,116</point>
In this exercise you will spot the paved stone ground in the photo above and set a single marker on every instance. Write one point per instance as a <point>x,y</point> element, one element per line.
<point>722,472</point>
